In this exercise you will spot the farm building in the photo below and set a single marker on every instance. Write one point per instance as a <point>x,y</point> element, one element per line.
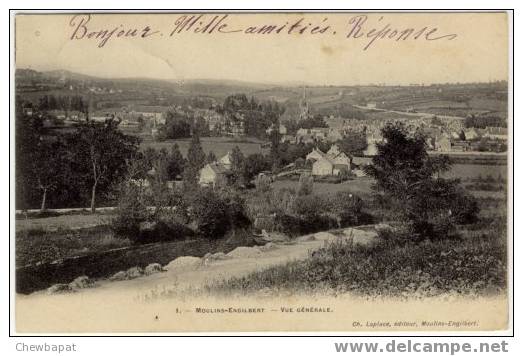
<point>328,164</point>
<point>442,144</point>
<point>322,167</point>
<point>314,155</point>
<point>213,174</point>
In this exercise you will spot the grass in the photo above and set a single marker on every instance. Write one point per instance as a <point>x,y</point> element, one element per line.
<point>62,222</point>
<point>470,267</point>
<point>36,246</point>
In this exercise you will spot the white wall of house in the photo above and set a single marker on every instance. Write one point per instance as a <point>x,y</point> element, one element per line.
<point>207,176</point>
<point>322,167</point>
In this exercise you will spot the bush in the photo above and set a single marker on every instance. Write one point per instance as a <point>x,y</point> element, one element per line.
<point>131,212</point>
<point>301,225</point>
<point>216,212</point>
<point>162,231</point>
<point>408,271</point>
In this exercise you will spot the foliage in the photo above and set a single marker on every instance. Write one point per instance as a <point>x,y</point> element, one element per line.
<point>216,212</point>
<point>483,121</point>
<point>256,116</point>
<point>177,124</point>
<point>408,271</point>
<point>237,166</point>
<point>57,169</point>
<point>306,184</point>
<point>176,163</point>
<point>409,178</point>
<point>99,153</point>
<point>211,157</point>
<point>311,122</point>
<point>131,211</point>
<point>195,161</point>
<point>254,164</point>
<point>353,143</point>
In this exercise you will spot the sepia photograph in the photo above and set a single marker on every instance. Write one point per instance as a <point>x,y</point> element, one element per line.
<point>180,172</point>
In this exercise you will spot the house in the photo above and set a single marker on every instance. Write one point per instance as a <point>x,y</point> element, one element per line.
<point>226,160</point>
<point>454,135</point>
<point>213,174</point>
<point>471,134</point>
<point>340,158</point>
<point>315,154</point>
<point>323,166</point>
<point>334,162</point>
<point>338,169</point>
<point>442,144</point>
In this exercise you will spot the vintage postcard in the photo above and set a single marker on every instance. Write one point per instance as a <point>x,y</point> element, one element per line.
<point>262,172</point>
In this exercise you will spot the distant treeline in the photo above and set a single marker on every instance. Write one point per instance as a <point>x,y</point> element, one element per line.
<point>481,122</point>
<point>59,102</point>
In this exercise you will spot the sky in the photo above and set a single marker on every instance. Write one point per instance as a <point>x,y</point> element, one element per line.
<point>474,47</point>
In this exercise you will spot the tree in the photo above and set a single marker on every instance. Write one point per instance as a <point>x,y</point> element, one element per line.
<point>306,184</point>
<point>176,162</point>
<point>353,143</point>
<point>43,164</point>
<point>195,160</point>
<point>49,163</point>
<point>211,157</point>
<point>177,124</point>
<point>210,213</point>
<point>315,121</point>
<point>100,152</point>
<point>237,164</point>
<point>410,180</point>
<point>254,164</point>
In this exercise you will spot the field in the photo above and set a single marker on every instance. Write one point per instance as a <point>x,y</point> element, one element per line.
<point>468,171</point>
<point>219,145</point>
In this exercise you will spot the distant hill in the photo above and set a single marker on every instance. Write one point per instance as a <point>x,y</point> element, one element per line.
<point>103,93</point>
